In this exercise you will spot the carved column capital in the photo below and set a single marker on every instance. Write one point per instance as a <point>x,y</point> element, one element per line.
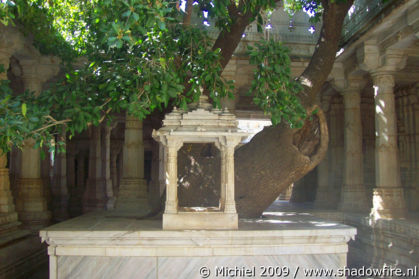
<point>352,93</point>
<point>132,122</point>
<point>383,79</point>
<point>394,59</point>
<point>368,55</point>
<point>38,70</point>
<point>338,76</point>
<point>371,60</point>
<point>174,143</point>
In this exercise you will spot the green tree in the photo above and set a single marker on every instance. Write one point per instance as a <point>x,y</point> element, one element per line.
<point>146,55</point>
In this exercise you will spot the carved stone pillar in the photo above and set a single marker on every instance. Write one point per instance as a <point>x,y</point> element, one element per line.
<point>228,151</point>
<point>8,215</point>
<point>132,195</point>
<point>74,203</point>
<point>406,102</point>
<point>353,195</point>
<point>415,140</point>
<point>106,167</point>
<point>31,201</point>
<point>388,197</point>
<point>323,185</point>
<point>171,176</point>
<point>162,168</point>
<point>336,151</point>
<point>94,197</point>
<point>115,152</point>
<point>59,186</point>
<point>368,138</point>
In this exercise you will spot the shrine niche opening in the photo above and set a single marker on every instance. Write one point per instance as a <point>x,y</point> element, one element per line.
<point>199,177</point>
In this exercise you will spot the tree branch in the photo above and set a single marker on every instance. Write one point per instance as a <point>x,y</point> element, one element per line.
<point>228,41</point>
<point>324,55</point>
<point>188,13</point>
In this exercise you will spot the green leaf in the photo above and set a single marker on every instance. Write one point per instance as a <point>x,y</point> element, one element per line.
<point>24,109</point>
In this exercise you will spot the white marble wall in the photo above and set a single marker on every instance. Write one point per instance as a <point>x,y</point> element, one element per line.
<point>189,267</point>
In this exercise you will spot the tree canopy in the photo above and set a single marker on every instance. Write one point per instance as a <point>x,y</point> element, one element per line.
<point>140,55</point>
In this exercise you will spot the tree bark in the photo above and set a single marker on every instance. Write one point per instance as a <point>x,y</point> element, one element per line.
<point>279,156</point>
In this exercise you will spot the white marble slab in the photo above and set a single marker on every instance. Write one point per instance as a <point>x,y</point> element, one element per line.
<point>99,245</point>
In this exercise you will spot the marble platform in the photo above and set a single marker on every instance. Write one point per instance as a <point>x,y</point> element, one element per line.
<point>100,245</point>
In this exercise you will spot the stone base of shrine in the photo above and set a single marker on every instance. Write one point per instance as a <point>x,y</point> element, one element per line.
<point>200,221</point>
<point>98,245</point>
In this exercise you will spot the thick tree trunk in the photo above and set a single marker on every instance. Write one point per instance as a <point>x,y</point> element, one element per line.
<point>279,156</point>
<point>274,159</point>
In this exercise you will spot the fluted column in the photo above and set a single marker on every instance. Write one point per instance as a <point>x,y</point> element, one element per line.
<point>132,196</point>
<point>94,197</point>
<point>388,196</point>
<point>353,195</point>
<point>31,201</point>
